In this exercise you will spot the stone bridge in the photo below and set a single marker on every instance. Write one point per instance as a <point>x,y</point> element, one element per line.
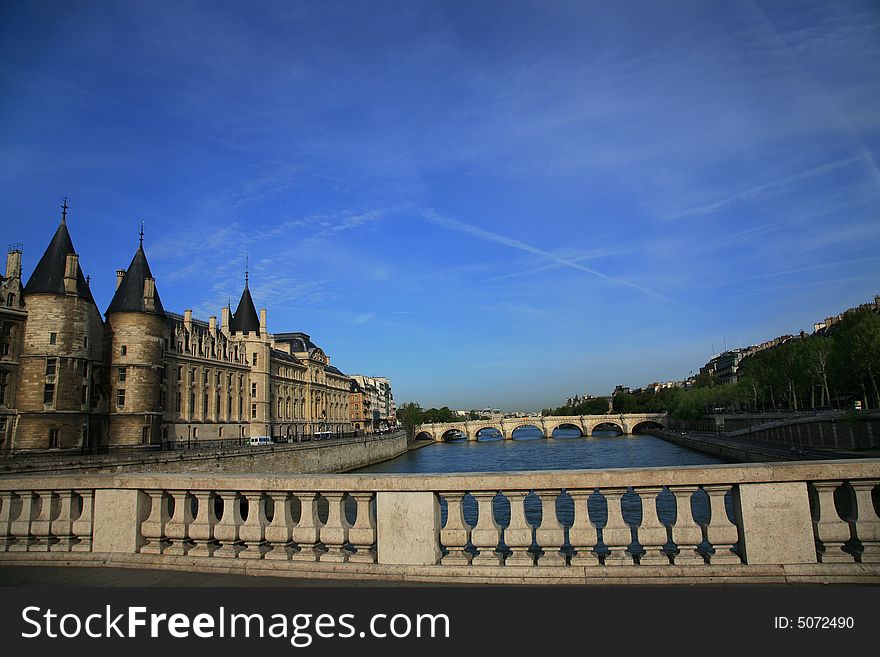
<point>586,424</point>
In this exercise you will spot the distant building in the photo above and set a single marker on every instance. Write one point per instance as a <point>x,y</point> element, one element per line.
<point>377,389</point>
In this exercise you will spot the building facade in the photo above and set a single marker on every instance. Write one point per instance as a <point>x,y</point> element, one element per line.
<point>72,379</point>
<point>380,411</point>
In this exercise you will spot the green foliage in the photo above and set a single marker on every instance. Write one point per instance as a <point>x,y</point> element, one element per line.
<point>597,406</point>
<point>410,416</point>
<point>806,373</point>
<point>440,415</point>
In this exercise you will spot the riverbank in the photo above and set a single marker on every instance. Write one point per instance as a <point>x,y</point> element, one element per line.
<point>742,449</point>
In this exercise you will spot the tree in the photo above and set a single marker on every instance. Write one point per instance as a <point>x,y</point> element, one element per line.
<point>857,342</point>
<point>410,416</point>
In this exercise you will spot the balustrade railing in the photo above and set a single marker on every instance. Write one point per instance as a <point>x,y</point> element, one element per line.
<point>677,518</point>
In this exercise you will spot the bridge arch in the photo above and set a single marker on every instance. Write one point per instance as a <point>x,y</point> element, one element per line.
<point>607,425</point>
<point>488,432</point>
<point>424,435</point>
<point>521,431</point>
<point>564,430</point>
<point>453,433</point>
<point>646,425</point>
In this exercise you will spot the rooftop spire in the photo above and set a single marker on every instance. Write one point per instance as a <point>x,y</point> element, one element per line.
<point>64,210</point>
<point>245,269</point>
<point>142,234</point>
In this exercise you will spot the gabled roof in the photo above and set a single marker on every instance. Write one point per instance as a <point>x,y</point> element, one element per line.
<point>48,276</point>
<point>245,318</point>
<point>129,295</point>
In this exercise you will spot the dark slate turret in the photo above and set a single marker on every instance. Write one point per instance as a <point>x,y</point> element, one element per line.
<point>48,276</point>
<point>129,295</point>
<point>245,318</point>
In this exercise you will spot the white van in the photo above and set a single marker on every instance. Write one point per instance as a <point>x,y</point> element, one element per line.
<point>261,440</point>
<point>323,435</point>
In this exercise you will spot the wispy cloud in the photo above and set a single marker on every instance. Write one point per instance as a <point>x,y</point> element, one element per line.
<point>771,187</point>
<point>489,236</point>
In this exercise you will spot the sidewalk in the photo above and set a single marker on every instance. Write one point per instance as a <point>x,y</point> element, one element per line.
<point>51,576</point>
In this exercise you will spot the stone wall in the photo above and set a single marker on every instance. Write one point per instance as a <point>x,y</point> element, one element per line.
<point>846,434</point>
<point>322,457</point>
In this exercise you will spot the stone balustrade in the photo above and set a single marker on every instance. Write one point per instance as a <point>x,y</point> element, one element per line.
<point>718,522</point>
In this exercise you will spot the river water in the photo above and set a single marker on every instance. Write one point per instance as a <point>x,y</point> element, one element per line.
<point>567,450</point>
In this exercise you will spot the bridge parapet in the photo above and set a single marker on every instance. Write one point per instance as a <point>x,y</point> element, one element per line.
<point>388,526</point>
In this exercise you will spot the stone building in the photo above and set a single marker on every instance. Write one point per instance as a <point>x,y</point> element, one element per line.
<point>70,379</point>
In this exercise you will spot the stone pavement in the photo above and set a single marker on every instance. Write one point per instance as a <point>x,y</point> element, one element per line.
<point>51,576</point>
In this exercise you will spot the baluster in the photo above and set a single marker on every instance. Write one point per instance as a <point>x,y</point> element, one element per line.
<point>153,528</point>
<point>227,529</point>
<point>334,533</point>
<point>62,525</point>
<point>362,535</point>
<point>21,526</point>
<point>455,535</point>
<point>652,533</point>
<point>10,508</point>
<point>46,506</point>
<point>686,533</point>
<point>253,532</point>
<point>830,529</point>
<point>720,531</point>
<point>582,535</point>
<point>307,533</point>
<point>177,527</point>
<point>82,525</point>
<point>867,522</point>
<point>487,533</point>
<point>518,535</point>
<point>201,529</point>
<point>551,534</point>
<point>616,534</point>
<point>278,533</point>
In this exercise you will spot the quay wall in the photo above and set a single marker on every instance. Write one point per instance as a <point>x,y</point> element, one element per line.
<point>319,457</point>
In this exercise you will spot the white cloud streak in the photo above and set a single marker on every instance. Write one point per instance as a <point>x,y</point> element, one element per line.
<point>480,233</point>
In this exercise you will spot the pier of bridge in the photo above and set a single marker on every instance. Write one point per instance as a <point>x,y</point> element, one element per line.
<point>586,424</point>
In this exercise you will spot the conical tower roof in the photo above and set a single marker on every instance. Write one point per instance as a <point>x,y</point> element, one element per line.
<point>129,295</point>
<point>48,276</point>
<point>245,318</point>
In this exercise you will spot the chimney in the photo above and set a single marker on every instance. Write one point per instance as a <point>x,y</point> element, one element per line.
<point>188,320</point>
<point>71,264</point>
<point>149,294</point>
<point>120,274</point>
<point>13,261</point>
<point>262,321</point>
<point>212,325</point>
<point>224,319</point>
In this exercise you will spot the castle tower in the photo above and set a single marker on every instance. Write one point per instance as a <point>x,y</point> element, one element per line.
<point>59,397</point>
<point>249,330</point>
<point>135,345</point>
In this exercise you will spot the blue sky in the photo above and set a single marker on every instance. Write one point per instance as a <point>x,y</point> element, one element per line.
<point>493,204</point>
